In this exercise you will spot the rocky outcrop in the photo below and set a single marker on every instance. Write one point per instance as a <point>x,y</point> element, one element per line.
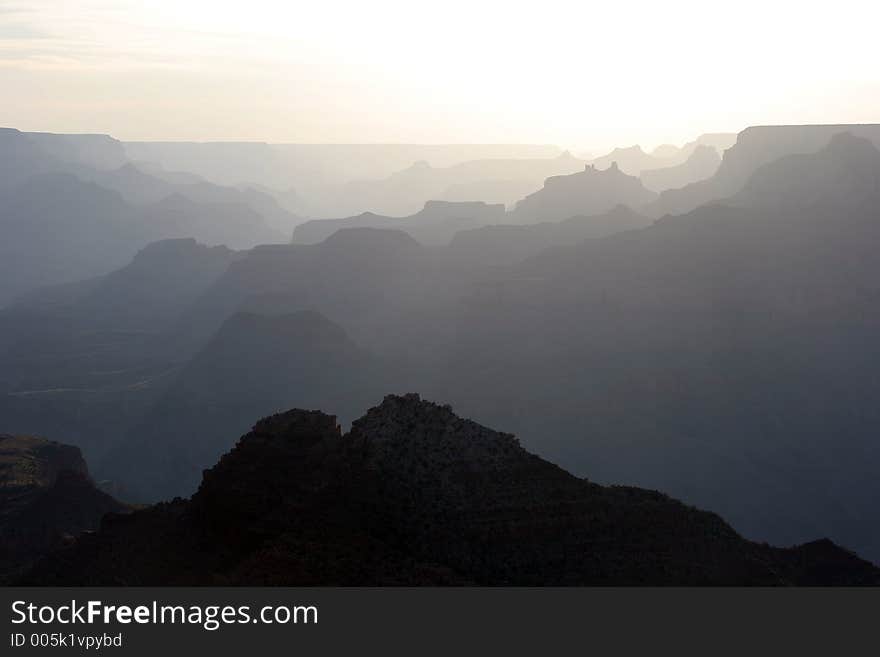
<point>415,495</point>
<point>46,498</point>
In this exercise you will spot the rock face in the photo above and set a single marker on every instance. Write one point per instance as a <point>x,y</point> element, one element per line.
<point>414,494</point>
<point>589,192</point>
<point>46,496</point>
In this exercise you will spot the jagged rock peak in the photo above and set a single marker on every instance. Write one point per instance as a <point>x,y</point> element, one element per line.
<point>403,433</point>
<point>264,460</point>
<point>295,425</point>
<point>430,436</point>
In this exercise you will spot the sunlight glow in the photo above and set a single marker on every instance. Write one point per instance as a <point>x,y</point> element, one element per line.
<point>579,74</point>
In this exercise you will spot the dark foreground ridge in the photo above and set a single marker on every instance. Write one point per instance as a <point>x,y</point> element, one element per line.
<point>414,495</point>
<point>47,498</point>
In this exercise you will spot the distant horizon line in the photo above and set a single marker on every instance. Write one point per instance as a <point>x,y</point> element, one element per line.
<point>342,144</point>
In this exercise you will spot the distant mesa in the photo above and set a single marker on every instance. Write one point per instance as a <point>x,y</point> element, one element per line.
<point>589,192</point>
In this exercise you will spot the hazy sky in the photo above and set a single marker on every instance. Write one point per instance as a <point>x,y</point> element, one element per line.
<point>579,74</point>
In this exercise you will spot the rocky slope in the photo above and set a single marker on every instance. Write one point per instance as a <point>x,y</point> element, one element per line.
<point>414,494</point>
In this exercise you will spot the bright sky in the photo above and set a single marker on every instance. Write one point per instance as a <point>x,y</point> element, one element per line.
<point>579,74</point>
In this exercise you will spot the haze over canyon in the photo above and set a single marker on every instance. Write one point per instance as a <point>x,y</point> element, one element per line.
<point>698,319</point>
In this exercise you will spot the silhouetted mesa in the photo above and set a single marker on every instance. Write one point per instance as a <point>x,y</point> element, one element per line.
<point>414,494</point>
